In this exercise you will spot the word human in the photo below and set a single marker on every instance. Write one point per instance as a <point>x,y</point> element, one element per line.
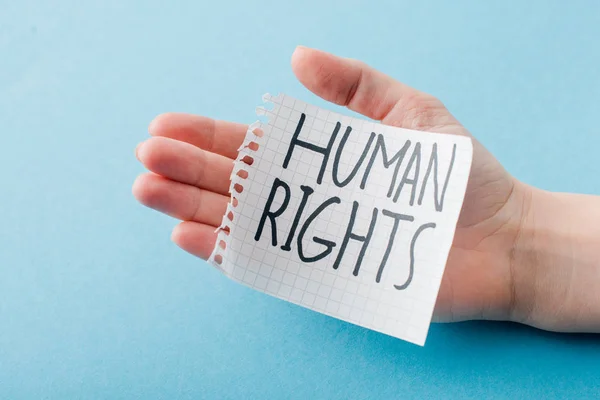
<point>412,171</point>
<point>410,177</point>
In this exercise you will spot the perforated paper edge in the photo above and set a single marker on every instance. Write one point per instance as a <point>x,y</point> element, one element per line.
<point>218,257</point>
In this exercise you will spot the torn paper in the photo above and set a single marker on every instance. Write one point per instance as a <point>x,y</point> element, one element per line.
<point>347,217</point>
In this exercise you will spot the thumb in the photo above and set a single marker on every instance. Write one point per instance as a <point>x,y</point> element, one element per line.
<point>353,84</point>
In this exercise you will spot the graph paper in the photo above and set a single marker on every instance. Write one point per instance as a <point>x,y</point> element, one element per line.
<point>347,217</point>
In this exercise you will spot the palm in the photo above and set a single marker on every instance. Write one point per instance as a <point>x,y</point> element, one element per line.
<point>190,162</point>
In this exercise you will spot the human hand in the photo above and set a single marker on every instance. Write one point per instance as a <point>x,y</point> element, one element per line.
<point>190,159</point>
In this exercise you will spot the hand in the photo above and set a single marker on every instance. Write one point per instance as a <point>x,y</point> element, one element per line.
<point>190,159</point>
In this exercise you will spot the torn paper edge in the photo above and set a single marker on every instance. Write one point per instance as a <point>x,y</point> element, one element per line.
<point>254,134</point>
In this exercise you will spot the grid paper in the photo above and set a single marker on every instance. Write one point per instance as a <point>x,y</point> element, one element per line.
<point>358,298</point>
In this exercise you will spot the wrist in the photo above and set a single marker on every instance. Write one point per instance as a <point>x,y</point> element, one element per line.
<point>555,262</point>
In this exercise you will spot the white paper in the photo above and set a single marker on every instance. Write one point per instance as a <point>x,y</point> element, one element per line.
<point>396,297</point>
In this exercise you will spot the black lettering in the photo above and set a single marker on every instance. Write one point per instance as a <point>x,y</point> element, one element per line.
<point>351,235</point>
<point>306,192</point>
<point>388,249</point>
<point>338,155</point>
<point>327,243</point>
<point>325,151</point>
<point>414,158</point>
<point>412,255</point>
<point>433,163</point>
<point>387,162</point>
<point>267,213</point>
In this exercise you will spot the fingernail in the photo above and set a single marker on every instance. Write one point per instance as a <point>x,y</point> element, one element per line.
<point>137,149</point>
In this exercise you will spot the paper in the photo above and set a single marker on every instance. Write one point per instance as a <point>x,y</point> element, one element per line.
<point>347,217</point>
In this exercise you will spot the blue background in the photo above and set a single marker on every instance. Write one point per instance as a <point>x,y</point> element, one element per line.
<point>96,302</point>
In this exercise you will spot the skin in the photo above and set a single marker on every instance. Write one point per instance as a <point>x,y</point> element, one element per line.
<point>519,253</point>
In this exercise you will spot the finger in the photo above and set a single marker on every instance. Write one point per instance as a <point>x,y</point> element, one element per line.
<point>219,137</point>
<point>185,163</point>
<point>365,90</point>
<point>195,238</point>
<point>179,200</point>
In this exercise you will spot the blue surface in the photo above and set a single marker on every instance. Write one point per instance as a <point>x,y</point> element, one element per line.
<point>96,302</point>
